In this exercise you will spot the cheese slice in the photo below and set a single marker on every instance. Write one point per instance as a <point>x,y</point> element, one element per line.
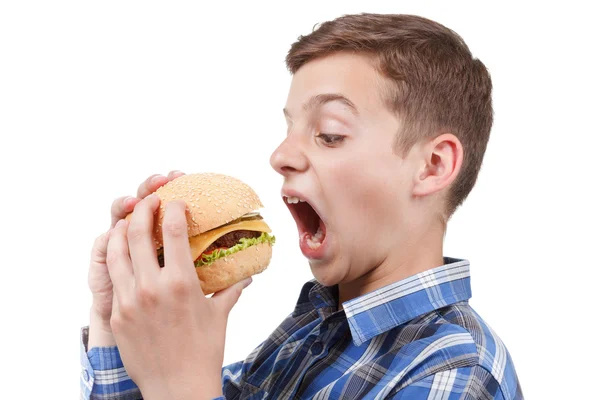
<point>200,242</point>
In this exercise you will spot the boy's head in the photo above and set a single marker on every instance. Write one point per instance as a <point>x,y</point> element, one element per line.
<point>388,121</point>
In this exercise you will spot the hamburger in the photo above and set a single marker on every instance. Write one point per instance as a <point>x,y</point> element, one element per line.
<point>229,240</point>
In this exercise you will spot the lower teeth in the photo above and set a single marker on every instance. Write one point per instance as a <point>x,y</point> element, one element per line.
<point>315,241</point>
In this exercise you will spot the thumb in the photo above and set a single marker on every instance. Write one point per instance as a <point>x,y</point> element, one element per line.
<point>227,298</point>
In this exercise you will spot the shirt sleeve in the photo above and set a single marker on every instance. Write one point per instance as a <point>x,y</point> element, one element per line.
<point>103,375</point>
<point>469,383</point>
<point>231,376</point>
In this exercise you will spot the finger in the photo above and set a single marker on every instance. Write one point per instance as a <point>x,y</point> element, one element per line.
<point>120,208</point>
<point>150,185</point>
<point>141,240</point>
<point>227,298</point>
<point>99,248</point>
<point>115,306</point>
<point>153,182</point>
<point>174,174</point>
<point>118,261</point>
<point>178,257</point>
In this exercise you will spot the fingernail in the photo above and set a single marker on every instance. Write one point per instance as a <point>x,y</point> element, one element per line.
<point>120,223</point>
<point>157,178</point>
<point>128,201</point>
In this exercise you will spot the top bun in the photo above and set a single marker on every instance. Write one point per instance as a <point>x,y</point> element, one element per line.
<point>212,200</point>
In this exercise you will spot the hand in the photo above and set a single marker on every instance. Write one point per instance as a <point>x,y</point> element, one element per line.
<point>170,336</point>
<point>98,278</point>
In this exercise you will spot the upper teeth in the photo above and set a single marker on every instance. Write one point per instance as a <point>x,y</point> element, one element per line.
<point>293,200</point>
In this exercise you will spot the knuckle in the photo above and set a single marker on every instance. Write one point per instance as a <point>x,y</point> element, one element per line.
<point>116,322</point>
<point>116,253</point>
<point>101,242</point>
<point>126,310</point>
<point>135,232</point>
<point>179,287</point>
<point>145,187</point>
<point>147,295</point>
<point>117,206</point>
<point>174,228</point>
<point>111,258</point>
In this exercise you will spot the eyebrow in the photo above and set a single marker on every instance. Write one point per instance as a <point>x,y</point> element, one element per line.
<point>324,98</point>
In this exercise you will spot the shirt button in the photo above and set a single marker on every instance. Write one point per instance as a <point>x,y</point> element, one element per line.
<point>316,348</point>
<point>85,375</point>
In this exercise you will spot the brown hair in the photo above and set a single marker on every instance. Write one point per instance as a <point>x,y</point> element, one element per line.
<point>436,84</point>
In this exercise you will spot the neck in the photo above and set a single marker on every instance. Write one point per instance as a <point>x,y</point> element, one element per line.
<point>426,252</point>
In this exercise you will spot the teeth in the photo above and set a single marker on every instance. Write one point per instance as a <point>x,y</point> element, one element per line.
<point>315,241</point>
<point>293,200</point>
<point>319,234</point>
<point>312,244</point>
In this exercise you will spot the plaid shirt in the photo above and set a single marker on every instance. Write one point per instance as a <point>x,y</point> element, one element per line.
<point>414,339</point>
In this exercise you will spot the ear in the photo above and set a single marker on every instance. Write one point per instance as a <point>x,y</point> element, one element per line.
<point>442,160</point>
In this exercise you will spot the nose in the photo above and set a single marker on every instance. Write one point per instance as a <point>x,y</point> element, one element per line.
<point>289,158</point>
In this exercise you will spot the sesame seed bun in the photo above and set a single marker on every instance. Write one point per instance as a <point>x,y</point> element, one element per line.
<point>229,270</point>
<point>212,200</point>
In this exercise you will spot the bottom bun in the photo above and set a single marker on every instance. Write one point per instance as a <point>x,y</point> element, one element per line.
<point>229,270</point>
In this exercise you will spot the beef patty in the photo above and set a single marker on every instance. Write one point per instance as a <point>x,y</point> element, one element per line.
<point>228,240</point>
<point>231,239</point>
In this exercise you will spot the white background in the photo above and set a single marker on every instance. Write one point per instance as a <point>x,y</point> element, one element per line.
<point>96,96</point>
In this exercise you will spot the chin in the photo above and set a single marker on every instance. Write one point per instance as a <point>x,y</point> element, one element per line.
<point>325,273</point>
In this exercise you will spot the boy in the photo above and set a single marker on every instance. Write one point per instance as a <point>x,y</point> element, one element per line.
<point>388,121</point>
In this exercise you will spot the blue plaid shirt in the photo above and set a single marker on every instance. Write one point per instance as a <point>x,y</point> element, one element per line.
<point>414,339</point>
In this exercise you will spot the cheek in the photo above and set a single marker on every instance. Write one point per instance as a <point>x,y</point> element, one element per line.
<point>364,197</point>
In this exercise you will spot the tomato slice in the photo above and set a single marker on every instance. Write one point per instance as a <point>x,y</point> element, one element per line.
<point>210,252</point>
<point>215,249</point>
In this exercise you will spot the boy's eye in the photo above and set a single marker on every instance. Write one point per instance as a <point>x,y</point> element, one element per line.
<point>330,138</point>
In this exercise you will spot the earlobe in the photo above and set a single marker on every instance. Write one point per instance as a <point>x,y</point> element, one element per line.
<point>441,163</point>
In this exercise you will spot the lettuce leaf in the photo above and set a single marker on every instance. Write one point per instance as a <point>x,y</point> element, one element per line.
<point>244,243</point>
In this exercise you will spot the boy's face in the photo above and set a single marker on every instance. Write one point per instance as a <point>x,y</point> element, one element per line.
<point>352,178</point>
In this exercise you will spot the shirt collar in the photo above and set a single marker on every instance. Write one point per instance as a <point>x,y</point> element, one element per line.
<point>395,304</point>
<point>314,296</point>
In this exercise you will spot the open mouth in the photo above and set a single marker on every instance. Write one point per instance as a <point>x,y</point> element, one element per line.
<point>311,227</point>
